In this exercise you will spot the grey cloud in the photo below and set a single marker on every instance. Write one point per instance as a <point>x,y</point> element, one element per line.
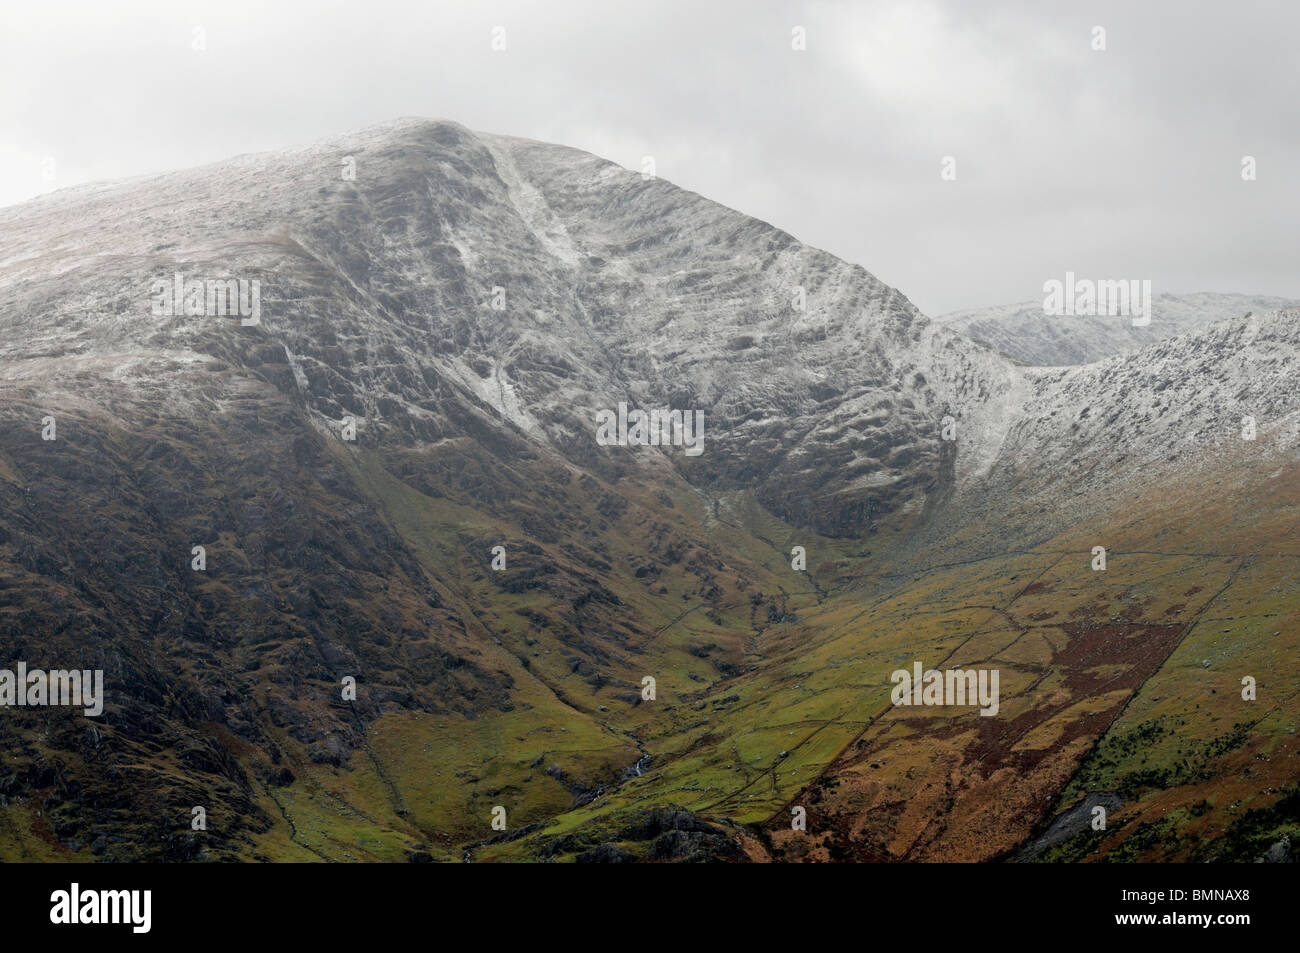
<point>1122,163</point>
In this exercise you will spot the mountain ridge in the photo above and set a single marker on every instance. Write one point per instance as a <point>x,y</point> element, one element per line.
<point>475,428</point>
<point>1023,332</point>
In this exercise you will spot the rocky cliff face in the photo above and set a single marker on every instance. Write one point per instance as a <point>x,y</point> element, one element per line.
<point>437,336</point>
<point>378,301</point>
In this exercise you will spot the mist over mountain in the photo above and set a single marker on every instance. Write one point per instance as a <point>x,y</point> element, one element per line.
<point>392,467</point>
<point>1022,331</point>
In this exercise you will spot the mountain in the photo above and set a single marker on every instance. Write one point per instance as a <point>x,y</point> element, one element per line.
<point>1025,333</point>
<point>443,320</point>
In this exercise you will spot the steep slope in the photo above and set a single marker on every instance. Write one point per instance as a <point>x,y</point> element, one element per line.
<point>369,558</point>
<point>437,338</point>
<point>1122,686</point>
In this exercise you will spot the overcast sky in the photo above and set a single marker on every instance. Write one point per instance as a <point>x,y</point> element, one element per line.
<point>1125,163</point>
